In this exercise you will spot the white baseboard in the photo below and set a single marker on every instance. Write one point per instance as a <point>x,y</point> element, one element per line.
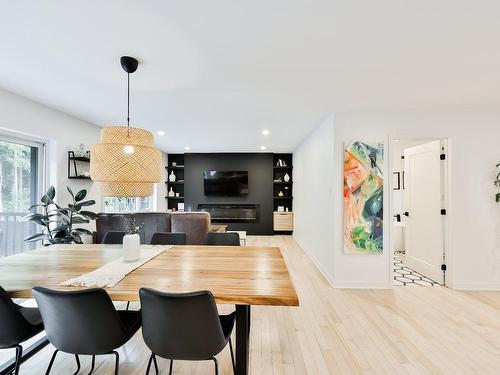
<point>476,286</point>
<point>362,285</point>
<point>343,284</point>
<point>317,264</point>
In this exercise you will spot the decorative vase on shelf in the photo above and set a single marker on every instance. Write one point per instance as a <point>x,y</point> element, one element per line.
<point>286,177</point>
<point>172,177</point>
<point>131,247</point>
<point>280,194</point>
<point>171,193</point>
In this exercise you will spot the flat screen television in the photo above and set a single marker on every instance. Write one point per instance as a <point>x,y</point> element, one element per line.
<point>225,184</point>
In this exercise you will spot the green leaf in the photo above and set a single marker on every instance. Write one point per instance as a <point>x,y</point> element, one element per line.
<point>89,215</point>
<point>76,237</point>
<point>82,231</point>
<point>70,192</point>
<point>37,218</point>
<point>35,237</point>
<point>51,192</point>
<point>79,220</point>
<point>87,203</point>
<point>61,228</point>
<point>80,195</point>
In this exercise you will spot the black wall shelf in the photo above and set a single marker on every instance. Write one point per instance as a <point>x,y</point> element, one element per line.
<point>75,164</point>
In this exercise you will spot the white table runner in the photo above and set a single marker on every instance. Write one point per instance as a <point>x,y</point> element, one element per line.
<point>110,274</point>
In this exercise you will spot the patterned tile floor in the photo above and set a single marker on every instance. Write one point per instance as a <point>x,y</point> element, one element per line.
<point>406,276</point>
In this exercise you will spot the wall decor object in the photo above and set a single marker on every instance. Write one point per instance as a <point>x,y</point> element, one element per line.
<point>396,181</point>
<point>126,160</point>
<point>363,198</point>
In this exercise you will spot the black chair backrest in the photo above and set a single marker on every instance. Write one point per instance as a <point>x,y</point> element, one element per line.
<point>81,321</point>
<point>168,238</point>
<point>182,326</point>
<point>14,328</point>
<point>113,238</point>
<point>223,239</point>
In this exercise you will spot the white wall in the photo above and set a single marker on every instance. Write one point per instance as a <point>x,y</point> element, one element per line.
<point>474,254</point>
<point>62,133</point>
<point>313,196</point>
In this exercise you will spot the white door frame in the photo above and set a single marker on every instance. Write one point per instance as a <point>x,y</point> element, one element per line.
<point>446,181</point>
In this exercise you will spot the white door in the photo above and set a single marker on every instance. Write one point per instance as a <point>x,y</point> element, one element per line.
<point>422,210</point>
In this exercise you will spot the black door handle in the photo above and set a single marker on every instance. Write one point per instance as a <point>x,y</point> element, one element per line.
<point>397,217</point>
<point>406,213</point>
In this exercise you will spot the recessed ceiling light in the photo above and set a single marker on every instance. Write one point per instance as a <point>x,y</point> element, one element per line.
<point>187,148</point>
<point>160,132</point>
<point>265,132</point>
<point>262,148</point>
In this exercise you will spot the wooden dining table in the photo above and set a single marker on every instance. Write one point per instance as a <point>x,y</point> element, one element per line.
<point>237,275</point>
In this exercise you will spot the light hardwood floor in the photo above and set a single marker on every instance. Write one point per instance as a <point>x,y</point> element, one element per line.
<point>407,330</point>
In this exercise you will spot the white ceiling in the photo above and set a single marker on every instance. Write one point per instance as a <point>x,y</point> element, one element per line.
<point>213,74</point>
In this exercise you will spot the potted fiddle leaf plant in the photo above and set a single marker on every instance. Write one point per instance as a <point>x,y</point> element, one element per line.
<point>131,240</point>
<point>497,183</point>
<point>59,224</point>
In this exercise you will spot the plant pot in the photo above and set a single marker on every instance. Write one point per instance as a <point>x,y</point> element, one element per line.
<point>131,247</point>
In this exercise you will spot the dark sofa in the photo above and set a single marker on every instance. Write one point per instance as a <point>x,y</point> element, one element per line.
<point>194,224</point>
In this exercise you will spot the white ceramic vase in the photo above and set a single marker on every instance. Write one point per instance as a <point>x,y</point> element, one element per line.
<point>131,247</point>
<point>172,177</point>
<point>286,177</point>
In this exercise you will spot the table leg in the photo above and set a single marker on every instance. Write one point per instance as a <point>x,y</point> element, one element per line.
<point>242,338</point>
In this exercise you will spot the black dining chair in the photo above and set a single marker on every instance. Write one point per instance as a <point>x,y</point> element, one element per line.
<point>184,326</point>
<point>168,238</point>
<point>17,324</point>
<point>113,238</point>
<point>223,239</point>
<point>85,322</point>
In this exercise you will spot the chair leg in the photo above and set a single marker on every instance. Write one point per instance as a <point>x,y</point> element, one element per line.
<point>77,364</point>
<point>117,362</point>
<point>156,364</point>
<point>232,355</point>
<point>93,365</point>
<point>216,365</point>
<point>51,362</point>
<point>19,353</point>
<point>152,359</point>
<point>128,305</point>
<point>171,367</point>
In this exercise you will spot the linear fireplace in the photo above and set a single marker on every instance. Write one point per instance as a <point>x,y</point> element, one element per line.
<point>232,213</point>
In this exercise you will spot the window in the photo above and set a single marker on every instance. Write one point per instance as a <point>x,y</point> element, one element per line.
<point>21,181</point>
<point>135,204</point>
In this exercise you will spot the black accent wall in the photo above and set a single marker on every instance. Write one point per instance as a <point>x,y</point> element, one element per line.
<point>260,185</point>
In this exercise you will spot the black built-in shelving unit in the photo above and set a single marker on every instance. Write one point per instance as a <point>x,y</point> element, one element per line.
<point>178,185</point>
<point>279,183</point>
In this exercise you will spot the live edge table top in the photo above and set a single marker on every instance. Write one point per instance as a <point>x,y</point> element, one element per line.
<point>239,275</point>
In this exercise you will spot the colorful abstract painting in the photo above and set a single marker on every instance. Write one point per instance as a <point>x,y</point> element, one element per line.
<point>363,198</point>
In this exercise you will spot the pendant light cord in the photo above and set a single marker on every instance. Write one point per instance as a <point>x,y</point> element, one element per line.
<point>128,103</point>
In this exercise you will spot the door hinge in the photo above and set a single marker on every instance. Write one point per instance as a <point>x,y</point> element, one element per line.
<point>443,211</point>
<point>443,267</point>
<point>442,156</point>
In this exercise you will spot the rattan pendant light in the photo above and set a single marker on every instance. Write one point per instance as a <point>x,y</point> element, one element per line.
<point>126,161</point>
